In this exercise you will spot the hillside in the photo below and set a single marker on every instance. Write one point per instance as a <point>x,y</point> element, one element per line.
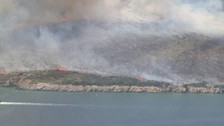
<point>73,78</point>
<point>76,81</point>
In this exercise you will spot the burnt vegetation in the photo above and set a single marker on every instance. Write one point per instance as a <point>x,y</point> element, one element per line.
<point>75,78</point>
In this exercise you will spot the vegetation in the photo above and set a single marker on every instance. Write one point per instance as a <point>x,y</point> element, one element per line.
<point>61,78</point>
<point>77,78</point>
<point>200,84</point>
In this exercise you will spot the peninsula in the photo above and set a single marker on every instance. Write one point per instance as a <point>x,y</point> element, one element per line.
<point>54,80</point>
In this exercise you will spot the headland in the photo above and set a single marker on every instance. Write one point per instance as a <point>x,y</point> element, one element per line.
<point>54,80</point>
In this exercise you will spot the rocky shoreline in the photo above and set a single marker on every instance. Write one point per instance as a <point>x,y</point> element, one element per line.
<point>36,81</point>
<point>116,88</point>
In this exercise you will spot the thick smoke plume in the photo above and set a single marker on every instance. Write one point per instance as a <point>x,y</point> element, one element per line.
<point>177,41</point>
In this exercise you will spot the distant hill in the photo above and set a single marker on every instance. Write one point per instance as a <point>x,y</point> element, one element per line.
<point>121,49</point>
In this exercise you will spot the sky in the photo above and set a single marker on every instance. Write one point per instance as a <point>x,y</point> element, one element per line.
<point>201,15</point>
<point>123,37</point>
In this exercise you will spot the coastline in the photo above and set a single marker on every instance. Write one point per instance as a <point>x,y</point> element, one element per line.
<point>84,82</point>
<point>117,88</point>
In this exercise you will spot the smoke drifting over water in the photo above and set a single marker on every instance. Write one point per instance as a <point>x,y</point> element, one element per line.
<point>178,41</point>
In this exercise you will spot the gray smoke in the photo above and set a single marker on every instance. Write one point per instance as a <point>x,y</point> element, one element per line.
<point>177,41</point>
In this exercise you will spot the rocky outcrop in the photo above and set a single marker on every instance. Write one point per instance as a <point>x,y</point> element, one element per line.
<point>26,84</point>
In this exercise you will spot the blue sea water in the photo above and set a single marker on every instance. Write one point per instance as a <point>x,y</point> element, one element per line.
<point>39,108</point>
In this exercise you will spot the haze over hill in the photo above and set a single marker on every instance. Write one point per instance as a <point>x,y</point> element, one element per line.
<point>180,41</point>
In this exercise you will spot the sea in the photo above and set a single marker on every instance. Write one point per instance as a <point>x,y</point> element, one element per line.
<point>48,108</point>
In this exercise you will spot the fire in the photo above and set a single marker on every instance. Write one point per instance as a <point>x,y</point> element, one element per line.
<point>140,78</point>
<point>61,69</point>
<point>2,71</point>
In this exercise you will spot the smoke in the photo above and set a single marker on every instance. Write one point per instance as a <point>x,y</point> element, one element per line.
<point>199,16</point>
<point>178,41</point>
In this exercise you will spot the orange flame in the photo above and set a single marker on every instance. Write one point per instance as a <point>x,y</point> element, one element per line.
<point>61,69</point>
<point>140,78</point>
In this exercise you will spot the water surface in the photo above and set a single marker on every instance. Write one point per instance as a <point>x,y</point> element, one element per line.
<point>39,108</point>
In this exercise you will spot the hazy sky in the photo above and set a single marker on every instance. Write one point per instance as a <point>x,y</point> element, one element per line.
<point>192,15</point>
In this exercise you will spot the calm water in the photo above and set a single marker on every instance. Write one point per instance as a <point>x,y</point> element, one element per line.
<point>37,108</point>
